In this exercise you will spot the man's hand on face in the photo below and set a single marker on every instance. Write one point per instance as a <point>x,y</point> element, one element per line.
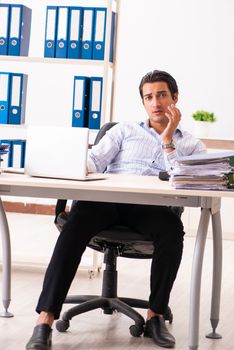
<point>174,117</point>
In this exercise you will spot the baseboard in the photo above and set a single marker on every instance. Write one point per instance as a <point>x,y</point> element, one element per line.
<point>29,208</point>
<point>40,267</point>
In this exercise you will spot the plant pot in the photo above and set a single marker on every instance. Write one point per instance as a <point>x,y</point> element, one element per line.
<point>201,129</point>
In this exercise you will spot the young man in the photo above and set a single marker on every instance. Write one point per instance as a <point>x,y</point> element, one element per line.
<point>142,148</point>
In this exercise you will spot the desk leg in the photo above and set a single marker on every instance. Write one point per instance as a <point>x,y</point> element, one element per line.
<point>217,275</point>
<point>6,262</point>
<point>196,279</point>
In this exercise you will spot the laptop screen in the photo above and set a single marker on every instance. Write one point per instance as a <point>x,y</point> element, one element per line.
<point>57,152</point>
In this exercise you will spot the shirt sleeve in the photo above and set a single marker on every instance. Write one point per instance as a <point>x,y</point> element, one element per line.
<point>185,145</point>
<point>101,155</point>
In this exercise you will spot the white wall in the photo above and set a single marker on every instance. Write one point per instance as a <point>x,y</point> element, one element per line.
<point>193,40</point>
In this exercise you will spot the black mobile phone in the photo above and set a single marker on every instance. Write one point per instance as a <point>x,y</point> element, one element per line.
<point>164,176</point>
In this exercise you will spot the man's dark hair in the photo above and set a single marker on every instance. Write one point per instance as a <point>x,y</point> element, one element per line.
<point>159,75</point>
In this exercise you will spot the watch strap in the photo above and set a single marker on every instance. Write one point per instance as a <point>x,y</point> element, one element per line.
<point>168,145</point>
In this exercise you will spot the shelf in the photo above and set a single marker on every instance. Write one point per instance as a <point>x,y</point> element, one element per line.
<point>27,59</point>
<point>11,131</point>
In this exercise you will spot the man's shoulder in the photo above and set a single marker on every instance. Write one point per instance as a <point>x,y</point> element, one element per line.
<point>186,138</point>
<point>125,128</point>
<point>182,133</point>
<point>130,124</point>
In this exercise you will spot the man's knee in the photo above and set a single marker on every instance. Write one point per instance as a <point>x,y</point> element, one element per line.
<point>91,216</point>
<point>171,231</point>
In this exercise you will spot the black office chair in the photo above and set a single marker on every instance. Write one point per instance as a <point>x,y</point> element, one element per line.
<point>114,242</point>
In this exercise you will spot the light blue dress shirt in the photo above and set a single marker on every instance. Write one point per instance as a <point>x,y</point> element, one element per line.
<point>136,148</point>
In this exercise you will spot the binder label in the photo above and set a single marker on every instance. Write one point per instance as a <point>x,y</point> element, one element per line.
<point>100,26</point>
<point>87,28</point>
<point>4,23</point>
<point>96,101</point>
<point>16,92</point>
<point>15,21</point>
<point>62,24</point>
<point>51,19</point>
<point>75,24</point>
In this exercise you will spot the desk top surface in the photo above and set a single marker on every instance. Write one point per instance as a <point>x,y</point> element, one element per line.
<point>113,183</point>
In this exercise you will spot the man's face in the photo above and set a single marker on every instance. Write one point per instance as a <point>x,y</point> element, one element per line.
<point>156,98</point>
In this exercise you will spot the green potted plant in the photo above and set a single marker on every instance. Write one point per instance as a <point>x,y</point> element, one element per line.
<point>203,119</point>
<point>203,116</point>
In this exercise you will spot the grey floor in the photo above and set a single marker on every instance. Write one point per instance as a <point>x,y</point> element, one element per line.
<point>94,330</point>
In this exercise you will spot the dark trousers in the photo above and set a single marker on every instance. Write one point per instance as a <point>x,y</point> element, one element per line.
<point>86,220</point>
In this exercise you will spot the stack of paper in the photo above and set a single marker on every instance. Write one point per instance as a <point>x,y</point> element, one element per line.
<point>206,171</point>
<point>3,150</point>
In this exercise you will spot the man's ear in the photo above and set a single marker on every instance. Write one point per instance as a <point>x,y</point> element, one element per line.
<point>175,97</point>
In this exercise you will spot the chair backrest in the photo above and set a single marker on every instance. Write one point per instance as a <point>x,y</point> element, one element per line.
<point>103,130</point>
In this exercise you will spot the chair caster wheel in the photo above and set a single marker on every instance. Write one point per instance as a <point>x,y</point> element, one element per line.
<point>62,325</point>
<point>168,316</point>
<point>135,330</point>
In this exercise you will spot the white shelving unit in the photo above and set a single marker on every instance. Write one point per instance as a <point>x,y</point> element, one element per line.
<point>50,80</point>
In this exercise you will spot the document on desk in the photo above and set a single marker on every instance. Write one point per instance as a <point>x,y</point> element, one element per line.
<point>209,171</point>
<point>201,182</point>
<point>207,158</point>
<point>211,168</point>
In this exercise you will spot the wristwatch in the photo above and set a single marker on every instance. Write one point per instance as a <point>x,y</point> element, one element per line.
<point>168,145</point>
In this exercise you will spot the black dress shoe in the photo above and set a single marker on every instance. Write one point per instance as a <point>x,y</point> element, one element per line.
<point>41,338</point>
<point>156,329</point>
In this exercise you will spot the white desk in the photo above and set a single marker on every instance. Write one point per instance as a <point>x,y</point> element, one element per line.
<point>129,189</point>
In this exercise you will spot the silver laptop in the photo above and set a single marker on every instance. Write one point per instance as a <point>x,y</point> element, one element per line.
<point>58,152</point>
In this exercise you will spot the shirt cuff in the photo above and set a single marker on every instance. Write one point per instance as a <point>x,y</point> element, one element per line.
<point>91,166</point>
<point>169,159</point>
<point>172,155</point>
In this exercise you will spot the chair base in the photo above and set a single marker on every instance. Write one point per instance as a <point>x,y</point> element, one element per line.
<point>109,305</point>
